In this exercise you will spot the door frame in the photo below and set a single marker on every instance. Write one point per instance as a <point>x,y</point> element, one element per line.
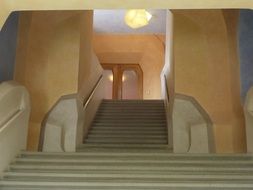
<point>118,70</point>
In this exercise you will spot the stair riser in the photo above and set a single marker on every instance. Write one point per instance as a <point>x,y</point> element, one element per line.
<point>137,155</point>
<point>115,123</point>
<point>133,114</point>
<point>155,185</point>
<point>127,136</point>
<point>131,120</point>
<point>13,187</point>
<point>125,122</point>
<point>132,141</point>
<point>142,112</point>
<point>136,109</point>
<point>137,117</point>
<point>140,164</point>
<point>125,145</point>
<point>135,160</point>
<point>130,173</point>
<point>228,179</point>
<point>126,132</point>
<point>60,168</point>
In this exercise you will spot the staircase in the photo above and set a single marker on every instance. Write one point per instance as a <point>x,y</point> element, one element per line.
<point>129,124</point>
<point>126,150</point>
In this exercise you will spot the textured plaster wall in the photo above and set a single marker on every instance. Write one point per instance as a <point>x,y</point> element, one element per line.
<point>206,67</point>
<point>49,59</point>
<point>246,49</point>
<point>89,67</point>
<point>231,18</point>
<point>8,42</point>
<point>145,50</point>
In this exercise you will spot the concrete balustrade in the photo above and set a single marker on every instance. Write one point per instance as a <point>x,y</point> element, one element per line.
<point>192,127</point>
<point>14,118</point>
<point>248,112</point>
<point>68,122</point>
<point>61,125</point>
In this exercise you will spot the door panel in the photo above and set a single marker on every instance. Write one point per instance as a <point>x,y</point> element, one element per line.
<point>130,85</point>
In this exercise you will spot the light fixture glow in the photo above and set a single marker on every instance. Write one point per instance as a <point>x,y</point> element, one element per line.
<point>110,78</point>
<point>123,78</point>
<point>136,18</point>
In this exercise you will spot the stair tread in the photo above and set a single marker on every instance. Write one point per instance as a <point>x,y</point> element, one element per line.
<point>137,184</point>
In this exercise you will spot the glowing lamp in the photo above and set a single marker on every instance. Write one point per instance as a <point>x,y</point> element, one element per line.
<point>137,18</point>
<point>110,78</point>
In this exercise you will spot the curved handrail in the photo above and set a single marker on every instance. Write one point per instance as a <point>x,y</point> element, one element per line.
<point>14,121</point>
<point>9,118</point>
<point>166,88</point>
<point>169,121</point>
<point>86,103</point>
<point>43,123</point>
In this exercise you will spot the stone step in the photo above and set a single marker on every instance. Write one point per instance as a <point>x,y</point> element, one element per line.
<point>132,104</point>
<point>119,185</point>
<point>135,101</point>
<point>139,153</point>
<point>14,187</point>
<point>127,140</point>
<point>130,172</point>
<point>129,167</point>
<point>125,145</point>
<point>138,178</point>
<point>134,111</point>
<point>115,131</point>
<point>132,108</point>
<point>131,114</point>
<point>134,125</point>
<point>158,161</point>
<point>114,116</point>
<point>101,161</point>
<point>139,135</point>
<point>132,121</point>
<point>132,129</point>
<point>139,107</point>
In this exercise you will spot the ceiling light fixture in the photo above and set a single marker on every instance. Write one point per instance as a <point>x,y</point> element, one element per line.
<point>137,18</point>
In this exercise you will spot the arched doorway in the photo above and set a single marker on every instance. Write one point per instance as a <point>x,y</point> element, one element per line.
<point>123,81</point>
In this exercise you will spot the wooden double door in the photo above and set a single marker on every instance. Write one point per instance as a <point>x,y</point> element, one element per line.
<point>123,81</point>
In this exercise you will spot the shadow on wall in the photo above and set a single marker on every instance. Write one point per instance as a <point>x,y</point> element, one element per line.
<point>8,42</point>
<point>246,49</point>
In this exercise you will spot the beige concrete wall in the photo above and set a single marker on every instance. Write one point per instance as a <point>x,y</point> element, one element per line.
<point>90,69</point>
<point>232,21</point>
<point>145,50</point>
<point>53,57</point>
<point>206,67</point>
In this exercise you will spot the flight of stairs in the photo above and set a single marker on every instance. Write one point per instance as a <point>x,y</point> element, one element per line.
<point>108,160</point>
<point>129,124</point>
<point>132,169</point>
